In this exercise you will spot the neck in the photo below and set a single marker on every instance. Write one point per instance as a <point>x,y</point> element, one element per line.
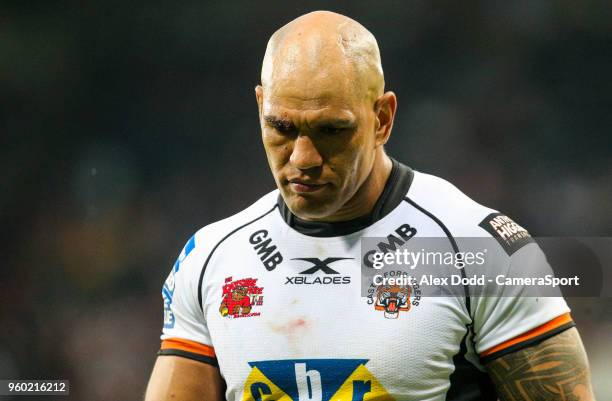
<point>363,201</point>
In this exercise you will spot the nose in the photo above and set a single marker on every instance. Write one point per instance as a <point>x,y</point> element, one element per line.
<point>305,154</point>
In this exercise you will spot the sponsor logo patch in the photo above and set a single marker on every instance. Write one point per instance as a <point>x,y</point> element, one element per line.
<point>313,380</point>
<point>268,253</point>
<point>240,297</point>
<point>315,266</point>
<point>509,234</point>
<point>394,241</point>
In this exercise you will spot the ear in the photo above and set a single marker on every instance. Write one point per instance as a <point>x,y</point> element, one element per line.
<point>384,107</point>
<point>259,97</point>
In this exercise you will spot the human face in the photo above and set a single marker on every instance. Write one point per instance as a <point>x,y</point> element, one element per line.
<point>320,147</point>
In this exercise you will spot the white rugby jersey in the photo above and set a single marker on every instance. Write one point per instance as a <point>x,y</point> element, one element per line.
<point>275,303</point>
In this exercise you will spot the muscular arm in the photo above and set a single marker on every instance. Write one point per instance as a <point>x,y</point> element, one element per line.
<point>555,369</point>
<point>178,378</point>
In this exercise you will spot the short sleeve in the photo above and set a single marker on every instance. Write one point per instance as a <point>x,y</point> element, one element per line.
<point>518,318</point>
<point>184,331</point>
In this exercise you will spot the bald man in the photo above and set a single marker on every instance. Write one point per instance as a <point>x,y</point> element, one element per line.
<point>270,304</point>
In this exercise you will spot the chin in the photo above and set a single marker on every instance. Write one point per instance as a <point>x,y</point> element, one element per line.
<point>310,208</point>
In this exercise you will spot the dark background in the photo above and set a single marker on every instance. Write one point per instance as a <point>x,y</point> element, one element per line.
<point>126,126</point>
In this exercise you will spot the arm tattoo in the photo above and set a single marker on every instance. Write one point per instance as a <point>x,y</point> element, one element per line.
<point>555,369</point>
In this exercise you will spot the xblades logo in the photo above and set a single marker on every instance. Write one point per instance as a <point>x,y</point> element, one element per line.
<point>319,265</point>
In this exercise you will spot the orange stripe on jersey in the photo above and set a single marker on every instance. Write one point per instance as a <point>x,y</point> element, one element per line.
<point>538,331</point>
<point>189,346</point>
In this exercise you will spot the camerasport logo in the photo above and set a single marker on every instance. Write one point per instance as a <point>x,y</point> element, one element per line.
<point>240,298</point>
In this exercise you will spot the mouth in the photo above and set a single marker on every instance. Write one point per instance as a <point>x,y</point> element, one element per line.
<point>301,186</point>
<point>392,305</point>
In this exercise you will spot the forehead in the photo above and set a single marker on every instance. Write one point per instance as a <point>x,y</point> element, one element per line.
<point>318,94</point>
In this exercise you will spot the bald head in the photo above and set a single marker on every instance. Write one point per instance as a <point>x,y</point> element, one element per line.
<point>323,50</point>
<point>324,117</point>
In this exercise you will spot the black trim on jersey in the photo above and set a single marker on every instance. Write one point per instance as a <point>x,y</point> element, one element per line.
<point>467,382</point>
<point>393,193</point>
<point>217,245</point>
<point>453,244</point>
<point>528,343</point>
<point>189,355</point>
<point>483,385</point>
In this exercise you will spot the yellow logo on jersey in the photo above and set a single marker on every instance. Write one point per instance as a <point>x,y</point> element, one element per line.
<point>313,380</point>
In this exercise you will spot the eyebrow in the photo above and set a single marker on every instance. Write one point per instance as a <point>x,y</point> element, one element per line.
<point>281,124</point>
<point>287,125</point>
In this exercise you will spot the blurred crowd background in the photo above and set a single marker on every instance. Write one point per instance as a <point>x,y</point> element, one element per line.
<point>126,126</point>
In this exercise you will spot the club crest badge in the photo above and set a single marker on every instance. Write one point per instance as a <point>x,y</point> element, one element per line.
<point>391,299</point>
<point>240,298</point>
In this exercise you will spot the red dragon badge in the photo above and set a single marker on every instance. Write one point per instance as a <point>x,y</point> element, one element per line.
<point>239,297</point>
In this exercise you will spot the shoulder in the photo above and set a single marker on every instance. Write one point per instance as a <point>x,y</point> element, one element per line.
<point>204,241</point>
<point>461,216</point>
<point>450,206</point>
<point>219,229</point>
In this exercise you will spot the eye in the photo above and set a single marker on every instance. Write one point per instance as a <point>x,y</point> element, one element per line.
<point>285,129</point>
<point>330,130</point>
<point>283,132</point>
